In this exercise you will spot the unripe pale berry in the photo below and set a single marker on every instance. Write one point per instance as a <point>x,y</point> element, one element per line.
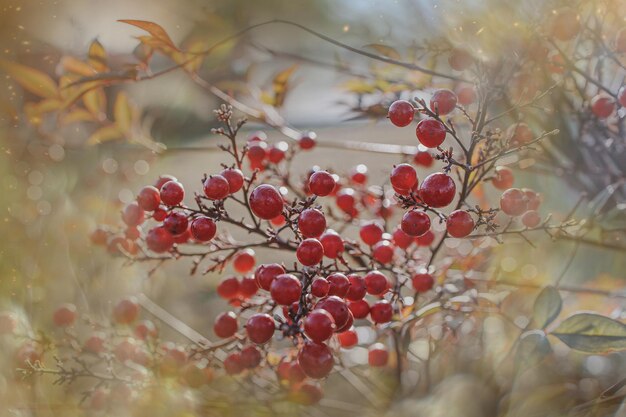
<point>65,315</point>
<point>133,214</point>
<point>531,218</point>
<point>459,59</point>
<point>126,311</point>
<point>513,202</point>
<point>565,24</point>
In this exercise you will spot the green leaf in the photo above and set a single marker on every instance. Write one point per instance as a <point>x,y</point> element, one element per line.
<point>532,348</point>
<point>592,333</point>
<point>547,307</point>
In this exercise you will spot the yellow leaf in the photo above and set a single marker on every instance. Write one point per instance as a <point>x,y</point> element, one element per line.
<point>154,29</point>
<point>104,134</point>
<point>30,79</point>
<point>77,115</point>
<point>97,56</point>
<point>122,112</point>
<point>34,111</point>
<point>95,101</point>
<point>76,66</point>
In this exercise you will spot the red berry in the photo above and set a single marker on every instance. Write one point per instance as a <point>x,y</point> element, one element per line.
<point>383,252</point>
<point>225,325</point>
<point>286,289</point>
<point>519,133</point>
<point>381,312</point>
<point>513,202</point>
<point>260,328</point>
<point>358,174</point>
<point>332,244</point>
<point>126,311</point>
<point>278,220</point>
<point>531,218</point>
<point>149,198</point>
<point>133,215</point>
<point>336,307</point>
<point>316,360</point>
<point>459,223</point>
<point>460,59</point>
<point>95,343</point>
<point>320,287</point>
<point>310,252</point>
<point>346,201</point>
<point>248,287</point>
<point>348,339</point>
<point>172,193</point>
<point>422,282</point>
<point>258,136</point>
<point>426,239</point>
<point>163,179</point>
<point>443,101</point>
<point>401,113</point>
<point>319,325</point>
<point>321,183</point>
<point>182,237</point>
<point>233,364</point>
<point>376,283</point>
<point>65,315</point>
<point>565,24</point>
<point>430,132</point>
<point>415,223</point>
<point>401,239</point>
<point>203,228</point>
<point>159,215</point>
<point>371,233</point>
<point>359,309</point>
<point>533,198</point>
<point>132,233</point>
<point>99,237</point>
<point>145,329</point>
<point>277,152</point>
<point>257,152</point>
<point>602,106</point>
<point>216,187</point>
<point>311,223</point>
<point>348,324</point>
<point>307,140</point>
<point>244,261</point>
<point>377,356</point>
<point>266,202</point>
<point>250,357</point>
<point>404,177</point>
<point>437,190</point>
<point>357,288</point>
<point>466,95</point>
<point>266,273</point>
<point>228,288</point>
<point>339,284</point>
<point>235,179</point>
<point>423,158</point>
<point>503,178</point>
<point>176,222</point>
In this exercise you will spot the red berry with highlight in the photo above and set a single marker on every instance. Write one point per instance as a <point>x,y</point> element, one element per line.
<point>286,289</point>
<point>378,356</point>
<point>459,223</point>
<point>225,325</point>
<point>235,179</point>
<point>403,176</point>
<point>430,132</point>
<point>437,190</point>
<point>401,113</point>
<point>311,223</point>
<point>320,287</point>
<point>203,229</point>
<point>172,193</point>
<point>319,325</point>
<point>359,309</point>
<point>357,288</point>
<point>260,328</point>
<point>321,183</point>
<point>307,140</point>
<point>381,312</point>
<point>336,307</point>
<point>376,283</point>
<point>265,274</point>
<point>422,282</point>
<point>316,360</point>
<point>266,202</point>
<point>216,187</point>
<point>65,315</point>
<point>443,101</point>
<point>339,284</point>
<point>228,288</point>
<point>371,233</point>
<point>310,252</point>
<point>415,223</point>
<point>244,261</point>
<point>332,244</point>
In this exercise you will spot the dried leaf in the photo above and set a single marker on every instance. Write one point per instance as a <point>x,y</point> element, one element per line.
<point>154,29</point>
<point>32,80</point>
<point>76,66</point>
<point>122,112</point>
<point>547,307</point>
<point>592,333</point>
<point>105,134</point>
<point>97,56</point>
<point>95,101</point>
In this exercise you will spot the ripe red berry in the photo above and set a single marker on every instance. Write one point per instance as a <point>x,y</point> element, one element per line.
<point>430,132</point>
<point>383,252</point>
<point>565,24</point>
<point>319,325</point>
<point>277,152</point>
<point>348,324</point>
<point>260,328</point>
<point>381,312</point>
<point>348,339</point>
<point>232,364</point>
<point>437,190</point>
<point>310,252</point>
<point>278,220</point>
<point>235,179</point>
<point>145,329</point>
<point>320,287</point>
<point>216,187</point>
<point>401,239</point>
<point>357,288</point>
<point>332,244</point>
<point>176,222</point>
<point>248,287</point>
<point>257,151</point>
<point>163,179</point>
<point>459,59</point>
<point>371,233</point>
<point>423,158</point>
<point>401,113</point>
<point>286,289</point>
<point>159,215</point>
<point>358,174</point>
<point>422,282</point>
<point>531,218</point>
<point>311,223</point>
<point>228,288</point>
<point>95,343</point>
<point>533,199</point>
<point>149,198</point>
<point>377,356</point>
<point>65,315</point>
<point>513,202</point>
<point>339,284</point>
<point>266,273</point>
<point>466,95</point>
<point>359,309</point>
<point>459,223</point>
<point>316,360</point>
<point>346,201</point>
<point>321,183</point>
<point>133,215</point>
<point>172,193</point>
<point>225,325</point>
<point>415,223</point>
<point>250,357</point>
<point>602,106</point>
<point>266,202</point>
<point>126,311</point>
<point>376,283</point>
<point>336,307</point>
<point>203,228</point>
<point>443,101</point>
<point>244,261</point>
<point>403,176</point>
<point>519,133</point>
<point>307,140</point>
<point>182,237</point>
<point>503,178</point>
<point>426,239</point>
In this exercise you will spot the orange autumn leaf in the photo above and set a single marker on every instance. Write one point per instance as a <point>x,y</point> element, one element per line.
<point>154,29</point>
